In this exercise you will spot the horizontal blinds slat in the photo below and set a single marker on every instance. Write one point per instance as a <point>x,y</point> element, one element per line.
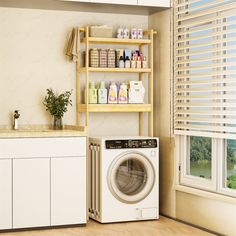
<point>211,42</point>
<point>206,74</point>
<point>205,97</point>
<point>205,36</point>
<point>213,58</point>
<point>213,89</point>
<point>207,128</point>
<point>204,104</point>
<point>205,134</point>
<point>206,120</point>
<point>204,51</point>
<point>208,66</point>
<point>205,112</point>
<point>209,81</point>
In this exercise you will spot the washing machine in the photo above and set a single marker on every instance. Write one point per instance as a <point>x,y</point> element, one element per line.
<point>123,179</point>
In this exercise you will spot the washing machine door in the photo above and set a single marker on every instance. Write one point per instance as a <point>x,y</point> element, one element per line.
<point>131,177</point>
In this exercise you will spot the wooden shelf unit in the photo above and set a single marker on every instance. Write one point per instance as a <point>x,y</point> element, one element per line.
<point>115,108</point>
<point>98,108</point>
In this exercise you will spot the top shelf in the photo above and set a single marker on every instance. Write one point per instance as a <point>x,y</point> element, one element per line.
<point>94,40</point>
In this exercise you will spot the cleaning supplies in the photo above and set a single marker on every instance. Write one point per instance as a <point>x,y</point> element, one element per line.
<point>136,92</point>
<point>93,98</point>
<point>127,62</point>
<point>102,93</point>
<point>133,62</point>
<point>139,63</point>
<point>144,62</point>
<point>123,94</point>
<point>121,62</point>
<point>112,97</point>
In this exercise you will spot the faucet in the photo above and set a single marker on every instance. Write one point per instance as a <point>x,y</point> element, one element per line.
<point>16,117</point>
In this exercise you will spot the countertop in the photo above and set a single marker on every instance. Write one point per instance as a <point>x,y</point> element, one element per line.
<point>37,131</point>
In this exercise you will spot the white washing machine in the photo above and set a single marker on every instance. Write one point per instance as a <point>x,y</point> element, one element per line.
<point>124,179</point>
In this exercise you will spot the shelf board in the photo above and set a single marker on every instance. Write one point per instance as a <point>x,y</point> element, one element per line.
<point>115,107</point>
<point>94,40</point>
<point>118,70</point>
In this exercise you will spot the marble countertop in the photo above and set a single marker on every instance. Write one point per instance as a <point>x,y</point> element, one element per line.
<point>35,131</point>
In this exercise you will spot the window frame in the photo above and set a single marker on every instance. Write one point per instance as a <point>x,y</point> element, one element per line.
<point>194,181</point>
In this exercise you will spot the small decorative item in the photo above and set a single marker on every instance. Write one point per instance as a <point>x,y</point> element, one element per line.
<point>133,33</point>
<point>57,106</point>
<point>120,33</point>
<point>126,33</point>
<point>140,33</point>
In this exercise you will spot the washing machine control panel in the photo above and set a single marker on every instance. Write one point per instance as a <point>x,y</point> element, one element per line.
<point>131,143</point>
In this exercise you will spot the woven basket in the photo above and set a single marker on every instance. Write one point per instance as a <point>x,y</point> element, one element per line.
<point>94,58</point>
<point>103,58</point>
<point>101,31</point>
<point>111,58</point>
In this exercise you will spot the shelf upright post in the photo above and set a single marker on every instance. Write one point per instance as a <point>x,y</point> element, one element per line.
<point>150,90</point>
<point>141,114</point>
<point>87,75</point>
<point>78,87</point>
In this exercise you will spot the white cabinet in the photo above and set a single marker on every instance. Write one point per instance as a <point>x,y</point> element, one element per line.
<point>154,3</point>
<point>120,2</point>
<point>5,194</point>
<point>31,192</point>
<point>68,190</point>
<point>42,182</point>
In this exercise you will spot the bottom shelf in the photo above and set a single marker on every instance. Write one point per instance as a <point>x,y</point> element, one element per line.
<point>115,108</point>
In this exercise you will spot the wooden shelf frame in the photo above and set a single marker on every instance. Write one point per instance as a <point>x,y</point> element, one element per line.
<point>114,70</point>
<point>87,108</point>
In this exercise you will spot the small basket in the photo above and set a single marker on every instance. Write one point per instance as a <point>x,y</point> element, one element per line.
<point>101,31</point>
<point>111,58</point>
<point>94,58</point>
<point>103,58</point>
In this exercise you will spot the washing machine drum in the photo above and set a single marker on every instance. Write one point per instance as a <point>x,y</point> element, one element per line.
<point>131,177</point>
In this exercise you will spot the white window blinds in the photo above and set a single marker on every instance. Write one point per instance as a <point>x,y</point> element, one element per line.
<point>205,68</point>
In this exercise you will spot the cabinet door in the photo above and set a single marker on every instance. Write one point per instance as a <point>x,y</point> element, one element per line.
<point>121,2</point>
<point>154,3</point>
<point>5,194</point>
<point>31,192</point>
<point>68,190</point>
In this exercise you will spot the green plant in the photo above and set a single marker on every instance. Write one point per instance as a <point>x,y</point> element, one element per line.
<point>57,104</point>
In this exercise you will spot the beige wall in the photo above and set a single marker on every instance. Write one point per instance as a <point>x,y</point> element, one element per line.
<point>31,46</point>
<point>215,215</point>
<point>161,22</point>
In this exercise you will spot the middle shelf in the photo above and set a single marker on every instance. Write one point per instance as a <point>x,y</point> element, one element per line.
<point>124,70</point>
<point>115,108</point>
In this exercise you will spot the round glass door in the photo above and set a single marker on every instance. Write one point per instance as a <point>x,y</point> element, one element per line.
<point>131,177</point>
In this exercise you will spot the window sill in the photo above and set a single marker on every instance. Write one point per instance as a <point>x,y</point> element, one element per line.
<point>205,194</point>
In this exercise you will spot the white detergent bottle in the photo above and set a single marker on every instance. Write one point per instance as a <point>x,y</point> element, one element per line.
<point>102,93</point>
<point>112,97</point>
<point>123,94</point>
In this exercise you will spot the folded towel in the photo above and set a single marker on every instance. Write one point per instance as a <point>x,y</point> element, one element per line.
<point>72,49</point>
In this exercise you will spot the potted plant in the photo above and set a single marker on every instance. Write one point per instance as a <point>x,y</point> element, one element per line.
<point>57,105</point>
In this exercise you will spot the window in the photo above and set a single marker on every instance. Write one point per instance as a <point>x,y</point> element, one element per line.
<point>200,157</point>
<point>205,93</point>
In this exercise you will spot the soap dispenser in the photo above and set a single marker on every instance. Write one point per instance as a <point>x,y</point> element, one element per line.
<point>93,97</point>
<point>102,93</point>
<point>16,117</point>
